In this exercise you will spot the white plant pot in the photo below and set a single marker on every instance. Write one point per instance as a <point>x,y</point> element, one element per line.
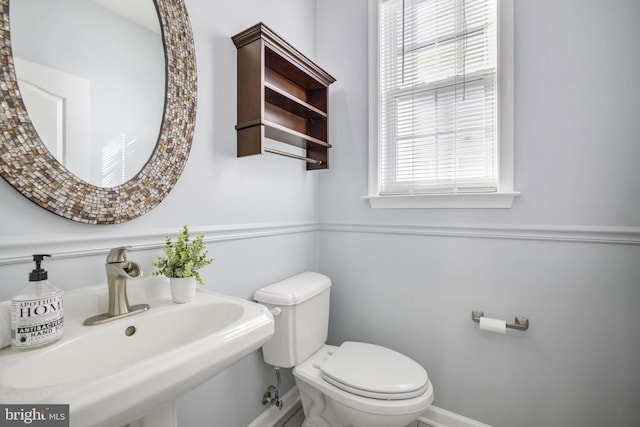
<point>183,289</point>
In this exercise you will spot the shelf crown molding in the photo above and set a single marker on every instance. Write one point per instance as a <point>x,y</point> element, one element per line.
<point>274,41</point>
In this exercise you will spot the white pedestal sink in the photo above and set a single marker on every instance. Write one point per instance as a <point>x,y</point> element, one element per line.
<point>131,370</point>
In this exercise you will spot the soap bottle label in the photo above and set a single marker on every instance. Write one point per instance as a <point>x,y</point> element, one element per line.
<point>37,322</point>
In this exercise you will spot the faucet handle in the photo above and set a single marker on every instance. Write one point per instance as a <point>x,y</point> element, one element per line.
<point>118,254</point>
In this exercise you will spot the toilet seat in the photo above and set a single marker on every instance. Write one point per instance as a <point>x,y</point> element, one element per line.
<point>372,371</point>
<point>310,380</point>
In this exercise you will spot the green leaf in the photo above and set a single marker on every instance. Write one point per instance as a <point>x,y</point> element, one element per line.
<point>184,257</point>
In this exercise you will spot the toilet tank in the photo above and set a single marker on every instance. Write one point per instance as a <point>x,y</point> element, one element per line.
<point>301,313</point>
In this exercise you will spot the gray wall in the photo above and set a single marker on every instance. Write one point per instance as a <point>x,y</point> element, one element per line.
<point>410,278</point>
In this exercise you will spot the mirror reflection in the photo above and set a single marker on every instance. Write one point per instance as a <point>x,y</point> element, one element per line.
<point>92,76</point>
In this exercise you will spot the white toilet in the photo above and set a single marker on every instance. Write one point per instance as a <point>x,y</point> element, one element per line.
<point>352,385</point>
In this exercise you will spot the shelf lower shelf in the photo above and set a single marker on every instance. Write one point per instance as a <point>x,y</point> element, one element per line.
<point>251,142</point>
<point>283,134</point>
<point>291,137</point>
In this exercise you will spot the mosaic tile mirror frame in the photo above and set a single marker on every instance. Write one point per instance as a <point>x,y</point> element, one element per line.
<point>32,170</point>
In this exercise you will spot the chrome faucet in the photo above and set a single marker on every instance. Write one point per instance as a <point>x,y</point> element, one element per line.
<point>118,271</point>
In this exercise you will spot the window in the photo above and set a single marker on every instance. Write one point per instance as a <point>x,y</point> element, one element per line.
<point>442,104</point>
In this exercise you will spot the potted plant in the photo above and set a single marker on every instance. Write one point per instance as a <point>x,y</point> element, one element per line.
<point>181,261</point>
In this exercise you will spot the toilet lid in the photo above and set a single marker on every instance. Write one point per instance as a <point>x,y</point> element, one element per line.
<point>373,371</point>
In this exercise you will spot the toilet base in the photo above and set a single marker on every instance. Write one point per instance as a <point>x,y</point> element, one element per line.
<point>317,412</point>
<point>323,411</point>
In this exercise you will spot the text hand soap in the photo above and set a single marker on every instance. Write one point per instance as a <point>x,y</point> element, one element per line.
<point>37,312</point>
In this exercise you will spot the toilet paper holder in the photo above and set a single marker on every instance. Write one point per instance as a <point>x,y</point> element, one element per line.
<point>521,323</point>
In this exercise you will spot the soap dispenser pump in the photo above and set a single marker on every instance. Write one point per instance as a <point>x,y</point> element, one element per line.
<point>37,312</point>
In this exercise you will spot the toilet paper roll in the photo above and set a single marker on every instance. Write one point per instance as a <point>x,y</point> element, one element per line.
<point>493,325</point>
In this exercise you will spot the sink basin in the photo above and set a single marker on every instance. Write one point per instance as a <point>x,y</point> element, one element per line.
<point>117,372</point>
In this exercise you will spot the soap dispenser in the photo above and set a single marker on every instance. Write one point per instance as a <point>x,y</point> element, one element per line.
<point>37,312</point>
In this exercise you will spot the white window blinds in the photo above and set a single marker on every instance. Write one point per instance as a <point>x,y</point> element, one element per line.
<point>438,96</point>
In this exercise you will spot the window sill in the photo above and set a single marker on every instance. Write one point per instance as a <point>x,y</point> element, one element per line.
<point>502,200</point>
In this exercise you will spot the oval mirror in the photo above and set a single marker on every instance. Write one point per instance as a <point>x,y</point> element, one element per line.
<point>91,75</point>
<point>35,171</point>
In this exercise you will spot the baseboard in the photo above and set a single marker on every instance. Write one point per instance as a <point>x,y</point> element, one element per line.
<point>273,417</point>
<point>438,417</point>
<point>433,417</point>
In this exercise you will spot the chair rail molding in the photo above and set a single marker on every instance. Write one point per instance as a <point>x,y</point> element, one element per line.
<point>556,233</point>
<point>16,250</point>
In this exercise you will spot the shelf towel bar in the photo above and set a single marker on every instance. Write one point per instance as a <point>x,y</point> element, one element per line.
<point>293,156</point>
<point>521,323</point>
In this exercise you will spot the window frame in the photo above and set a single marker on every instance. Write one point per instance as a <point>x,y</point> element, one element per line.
<point>505,194</point>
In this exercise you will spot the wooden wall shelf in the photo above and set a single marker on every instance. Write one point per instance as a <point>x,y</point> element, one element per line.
<point>282,95</point>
